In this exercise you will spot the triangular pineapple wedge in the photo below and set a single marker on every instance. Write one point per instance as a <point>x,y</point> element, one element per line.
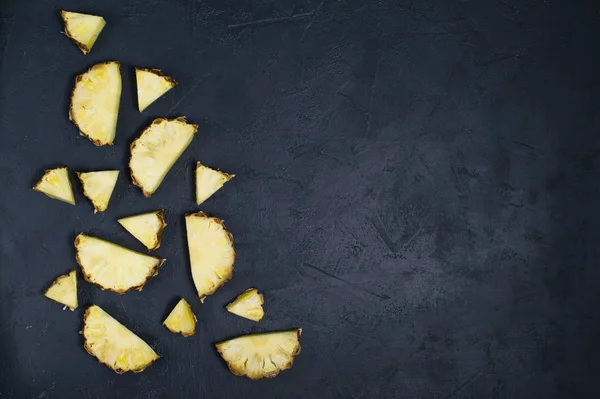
<point>64,290</point>
<point>261,355</point>
<point>113,344</point>
<point>209,181</point>
<point>151,84</point>
<point>211,252</point>
<point>95,102</point>
<point>147,227</point>
<point>56,184</point>
<point>113,267</point>
<point>83,29</point>
<point>157,149</point>
<point>98,187</point>
<point>181,319</point>
<point>248,305</point>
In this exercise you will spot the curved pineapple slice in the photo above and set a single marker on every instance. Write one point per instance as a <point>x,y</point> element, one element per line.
<point>113,267</point>
<point>113,344</point>
<point>98,187</point>
<point>147,227</point>
<point>151,84</point>
<point>64,290</point>
<point>248,305</point>
<point>56,184</point>
<point>181,319</point>
<point>209,181</point>
<point>261,355</point>
<point>157,149</point>
<point>83,29</point>
<point>211,252</point>
<point>95,102</point>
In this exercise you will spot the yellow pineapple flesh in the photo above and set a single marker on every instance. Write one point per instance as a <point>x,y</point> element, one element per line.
<point>113,344</point>
<point>248,305</point>
<point>98,187</point>
<point>209,181</point>
<point>151,84</point>
<point>64,290</point>
<point>181,319</point>
<point>83,29</point>
<point>113,267</point>
<point>95,102</point>
<point>259,356</point>
<point>56,184</point>
<point>147,227</point>
<point>156,150</point>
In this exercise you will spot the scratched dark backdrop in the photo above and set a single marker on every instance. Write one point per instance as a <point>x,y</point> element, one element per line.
<point>417,188</point>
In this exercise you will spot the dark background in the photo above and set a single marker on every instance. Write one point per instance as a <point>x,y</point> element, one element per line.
<point>417,188</point>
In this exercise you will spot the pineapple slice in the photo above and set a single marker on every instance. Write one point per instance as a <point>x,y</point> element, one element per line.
<point>95,102</point>
<point>64,290</point>
<point>211,252</point>
<point>208,181</point>
<point>113,344</point>
<point>151,84</point>
<point>83,29</point>
<point>157,149</point>
<point>113,267</point>
<point>147,227</point>
<point>181,319</point>
<point>56,184</point>
<point>248,305</point>
<point>98,187</point>
<point>261,355</point>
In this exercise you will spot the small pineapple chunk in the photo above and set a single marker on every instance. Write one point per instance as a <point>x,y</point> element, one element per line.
<point>113,267</point>
<point>151,84</point>
<point>261,355</point>
<point>56,184</point>
<point>156,150</point>
<point>113,344</point>
<point>98,187</point>
<point>248,305</point>
<point>83,29</point>
<point>147,227</point>
<point>64,290</point>
<point>95,102</point>
<point>211,252</point>
<point>181,319</point>
<point>209,181</point>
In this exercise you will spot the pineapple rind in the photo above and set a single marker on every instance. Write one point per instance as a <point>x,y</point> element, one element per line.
<point>89,180</point>
<point>146,98</point>
<point>64,286</point>
<point>182,319</point>
<point>154,238</point>
<point>46,187</point>
<point>209,181</point>
<point>84,47</point>
<point>248,305</point>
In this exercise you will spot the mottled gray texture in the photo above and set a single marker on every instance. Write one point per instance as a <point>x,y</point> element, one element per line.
<point>416,186</point>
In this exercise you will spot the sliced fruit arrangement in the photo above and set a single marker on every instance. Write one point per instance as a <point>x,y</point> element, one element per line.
<point>83,29</point>
<point>211,252</point>
<point>248,305</point>
<point>56,184</point>
<point>95,102</point>
<point>113,267</point>
<point>209,181</point>
<point>157,149</point>
<point>151,84</point>
<point>147,227</point>
<point>113,344</point>
<point>181,319</point>
<point>98,187</point>
<point>261,355</point>
<point>64,290</point>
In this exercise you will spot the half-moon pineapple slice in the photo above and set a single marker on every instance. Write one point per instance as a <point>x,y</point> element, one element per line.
<point>95,102</point>
<point>181,319</point>
<point>261,355</point>
<point>64,290</point>
<point>209,181</point>
<point>98,187</point>
<point>113,344</point>
<point>83,29</point>
<point>151,84</point>
<point>56,184</point>
<point>157,149</point>
<point>248,305</point>
<point>113,267</point>
<point>211,252</point>
<point>147,227</point>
